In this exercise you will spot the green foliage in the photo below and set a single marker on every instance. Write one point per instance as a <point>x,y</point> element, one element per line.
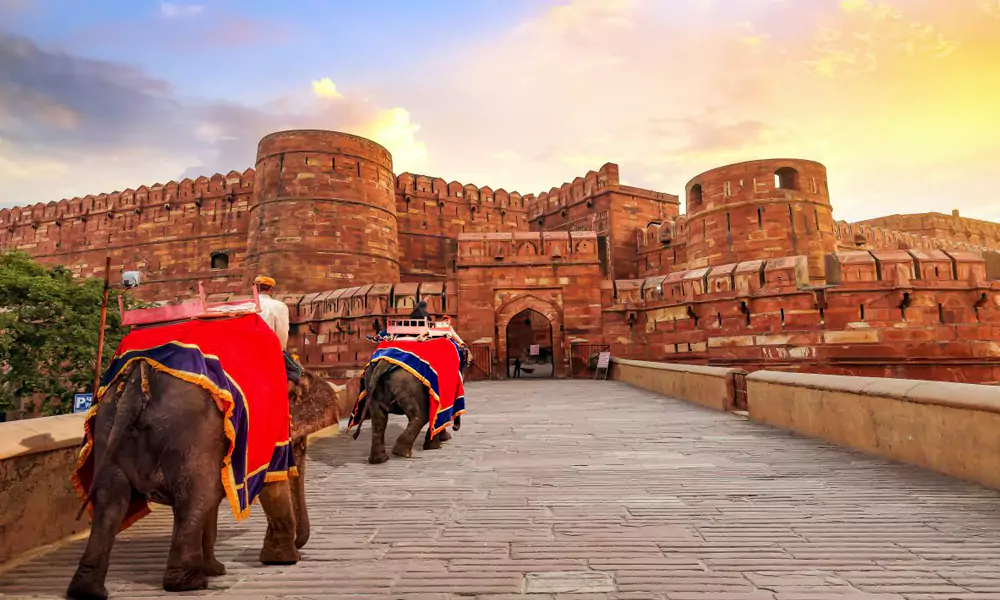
<point>49,328</point>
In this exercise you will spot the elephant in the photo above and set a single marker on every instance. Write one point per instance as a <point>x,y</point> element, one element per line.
<point>395,391</point>
<point>162,437</point>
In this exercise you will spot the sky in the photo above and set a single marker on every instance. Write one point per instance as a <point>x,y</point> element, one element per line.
<point>899,99</point>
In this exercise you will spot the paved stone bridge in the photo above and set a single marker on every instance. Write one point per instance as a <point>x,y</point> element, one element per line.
<point>595,490</point>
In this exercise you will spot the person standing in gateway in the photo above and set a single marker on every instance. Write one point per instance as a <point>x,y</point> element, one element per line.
<point>275,314</point>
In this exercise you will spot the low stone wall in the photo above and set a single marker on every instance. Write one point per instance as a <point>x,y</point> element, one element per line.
<point>947,427</point>
<point>38,505</point>
<point>712,387</point>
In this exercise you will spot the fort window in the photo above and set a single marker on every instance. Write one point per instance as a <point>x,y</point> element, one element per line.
<point>220,260</point>
<point>786,178</point>
<point>729,223</point>
<point>862,312</point>
<point>941,312</point>
<point>816,212</point>
<point>760,217</point>
<point>782,317</point>
<point>695,196</point>
<point>727,189</point>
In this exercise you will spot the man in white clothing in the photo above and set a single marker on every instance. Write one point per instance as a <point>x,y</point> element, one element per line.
<point>275,314</point>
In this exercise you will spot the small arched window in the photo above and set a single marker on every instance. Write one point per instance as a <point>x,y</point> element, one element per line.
<point>695,196</point>
<point>786,178</point>
<point>220,260</point>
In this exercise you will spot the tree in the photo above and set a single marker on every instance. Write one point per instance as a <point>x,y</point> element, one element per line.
<point>49,327</point>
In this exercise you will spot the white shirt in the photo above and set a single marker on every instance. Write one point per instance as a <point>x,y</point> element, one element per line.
<point>275,314</point>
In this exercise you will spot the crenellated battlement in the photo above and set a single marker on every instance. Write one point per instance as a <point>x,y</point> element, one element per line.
<point>410,185</point>
<point>571,193</point>
<point>160,196</point>
<point>863,235</point>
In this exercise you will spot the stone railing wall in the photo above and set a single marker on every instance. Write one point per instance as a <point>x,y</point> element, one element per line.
<point>38,505</point>
<point>708,386</point>
<point>946,427</point>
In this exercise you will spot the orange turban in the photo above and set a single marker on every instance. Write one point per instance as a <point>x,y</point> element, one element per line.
<point>264,280</point>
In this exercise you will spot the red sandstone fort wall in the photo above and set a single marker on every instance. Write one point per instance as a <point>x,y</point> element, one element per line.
<point>169,232</point>
<point>760,209</point>
<point>916,314</point>
<point>556,274</point>
<point>598,202</point>
<point>433,213</point>
<point>953,228</point>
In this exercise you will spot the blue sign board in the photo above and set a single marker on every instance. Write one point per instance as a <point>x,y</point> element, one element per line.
<point>82,402</point>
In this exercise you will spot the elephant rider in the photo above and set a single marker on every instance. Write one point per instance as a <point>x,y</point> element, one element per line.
<point>420,311</point>
<point>275,314</point>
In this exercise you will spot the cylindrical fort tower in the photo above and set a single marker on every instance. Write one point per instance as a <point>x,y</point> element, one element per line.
<point>758,210</point>
<point>323,212</point>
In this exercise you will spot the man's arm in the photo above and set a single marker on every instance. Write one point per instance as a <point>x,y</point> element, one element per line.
<point>281,327</point>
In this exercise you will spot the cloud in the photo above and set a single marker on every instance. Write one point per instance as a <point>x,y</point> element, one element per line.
<point>171,10</point>
<point>866,33</point>
<point>325,88</point>
<point>88,126</point>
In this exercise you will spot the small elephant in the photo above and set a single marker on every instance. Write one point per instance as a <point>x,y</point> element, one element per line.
<point>396,391</point>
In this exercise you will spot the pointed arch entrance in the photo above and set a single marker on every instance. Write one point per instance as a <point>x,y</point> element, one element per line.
<point>529,317</point>
<point>529,345</point>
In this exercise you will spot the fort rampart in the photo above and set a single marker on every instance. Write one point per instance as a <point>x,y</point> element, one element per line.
<point>756,274</point>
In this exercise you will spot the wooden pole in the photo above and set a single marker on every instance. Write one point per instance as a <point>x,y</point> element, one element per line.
<point>104,318</point>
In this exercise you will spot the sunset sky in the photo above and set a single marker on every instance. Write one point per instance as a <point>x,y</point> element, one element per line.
<point>899,99</point>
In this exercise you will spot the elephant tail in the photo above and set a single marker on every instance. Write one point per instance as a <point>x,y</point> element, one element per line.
<point>129,405</point>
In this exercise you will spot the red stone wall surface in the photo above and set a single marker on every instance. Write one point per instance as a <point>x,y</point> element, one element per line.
<point>167,232</point>
<point>742,212</point>
<point>598,202</point>
<point>917,314</point>
<point>323,212</point>
<point>557,274</point>
<point>432,213</point>
<point>940,226</point>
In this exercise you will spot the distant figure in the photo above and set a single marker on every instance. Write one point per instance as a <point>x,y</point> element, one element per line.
<point>420,311</point>
<point>517,368</point>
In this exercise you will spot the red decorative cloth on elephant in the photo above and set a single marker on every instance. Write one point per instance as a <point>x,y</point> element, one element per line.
<point>240,362</point>
<point>437,364</point>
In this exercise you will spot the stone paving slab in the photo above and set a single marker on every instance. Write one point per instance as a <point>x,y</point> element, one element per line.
<point>583,490</point>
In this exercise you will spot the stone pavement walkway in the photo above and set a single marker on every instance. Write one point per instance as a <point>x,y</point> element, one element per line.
<point>596,491</point>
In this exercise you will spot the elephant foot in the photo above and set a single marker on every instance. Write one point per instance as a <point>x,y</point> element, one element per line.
<point>377,459</point>
<point>444,436</point>
<point>214,568</point>
<point>81,588</point>
<point>405,452</point>
<point>301,539</point>
<point>434,444</point>
<point>179,579</point>
<point>279,555</point>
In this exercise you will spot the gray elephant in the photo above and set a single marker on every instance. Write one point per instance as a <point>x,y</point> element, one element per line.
<point>392,390</point>
<point>161,437</point>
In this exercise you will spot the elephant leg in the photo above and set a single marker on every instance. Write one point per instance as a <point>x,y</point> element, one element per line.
<point>444,436</point>
<point>111,498</point>
<point>298,485</point>
<point>211,565</point>
<point>380,420</point>
<point>432,444</point>
<point>185,563</point>
<point>416,420</point>
<point>279,543</point>
<point>458,422</point>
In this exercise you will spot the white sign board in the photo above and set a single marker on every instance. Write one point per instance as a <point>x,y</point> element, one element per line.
<point>603,360</point>
<point>533,351</point>
<point>82,402</point>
